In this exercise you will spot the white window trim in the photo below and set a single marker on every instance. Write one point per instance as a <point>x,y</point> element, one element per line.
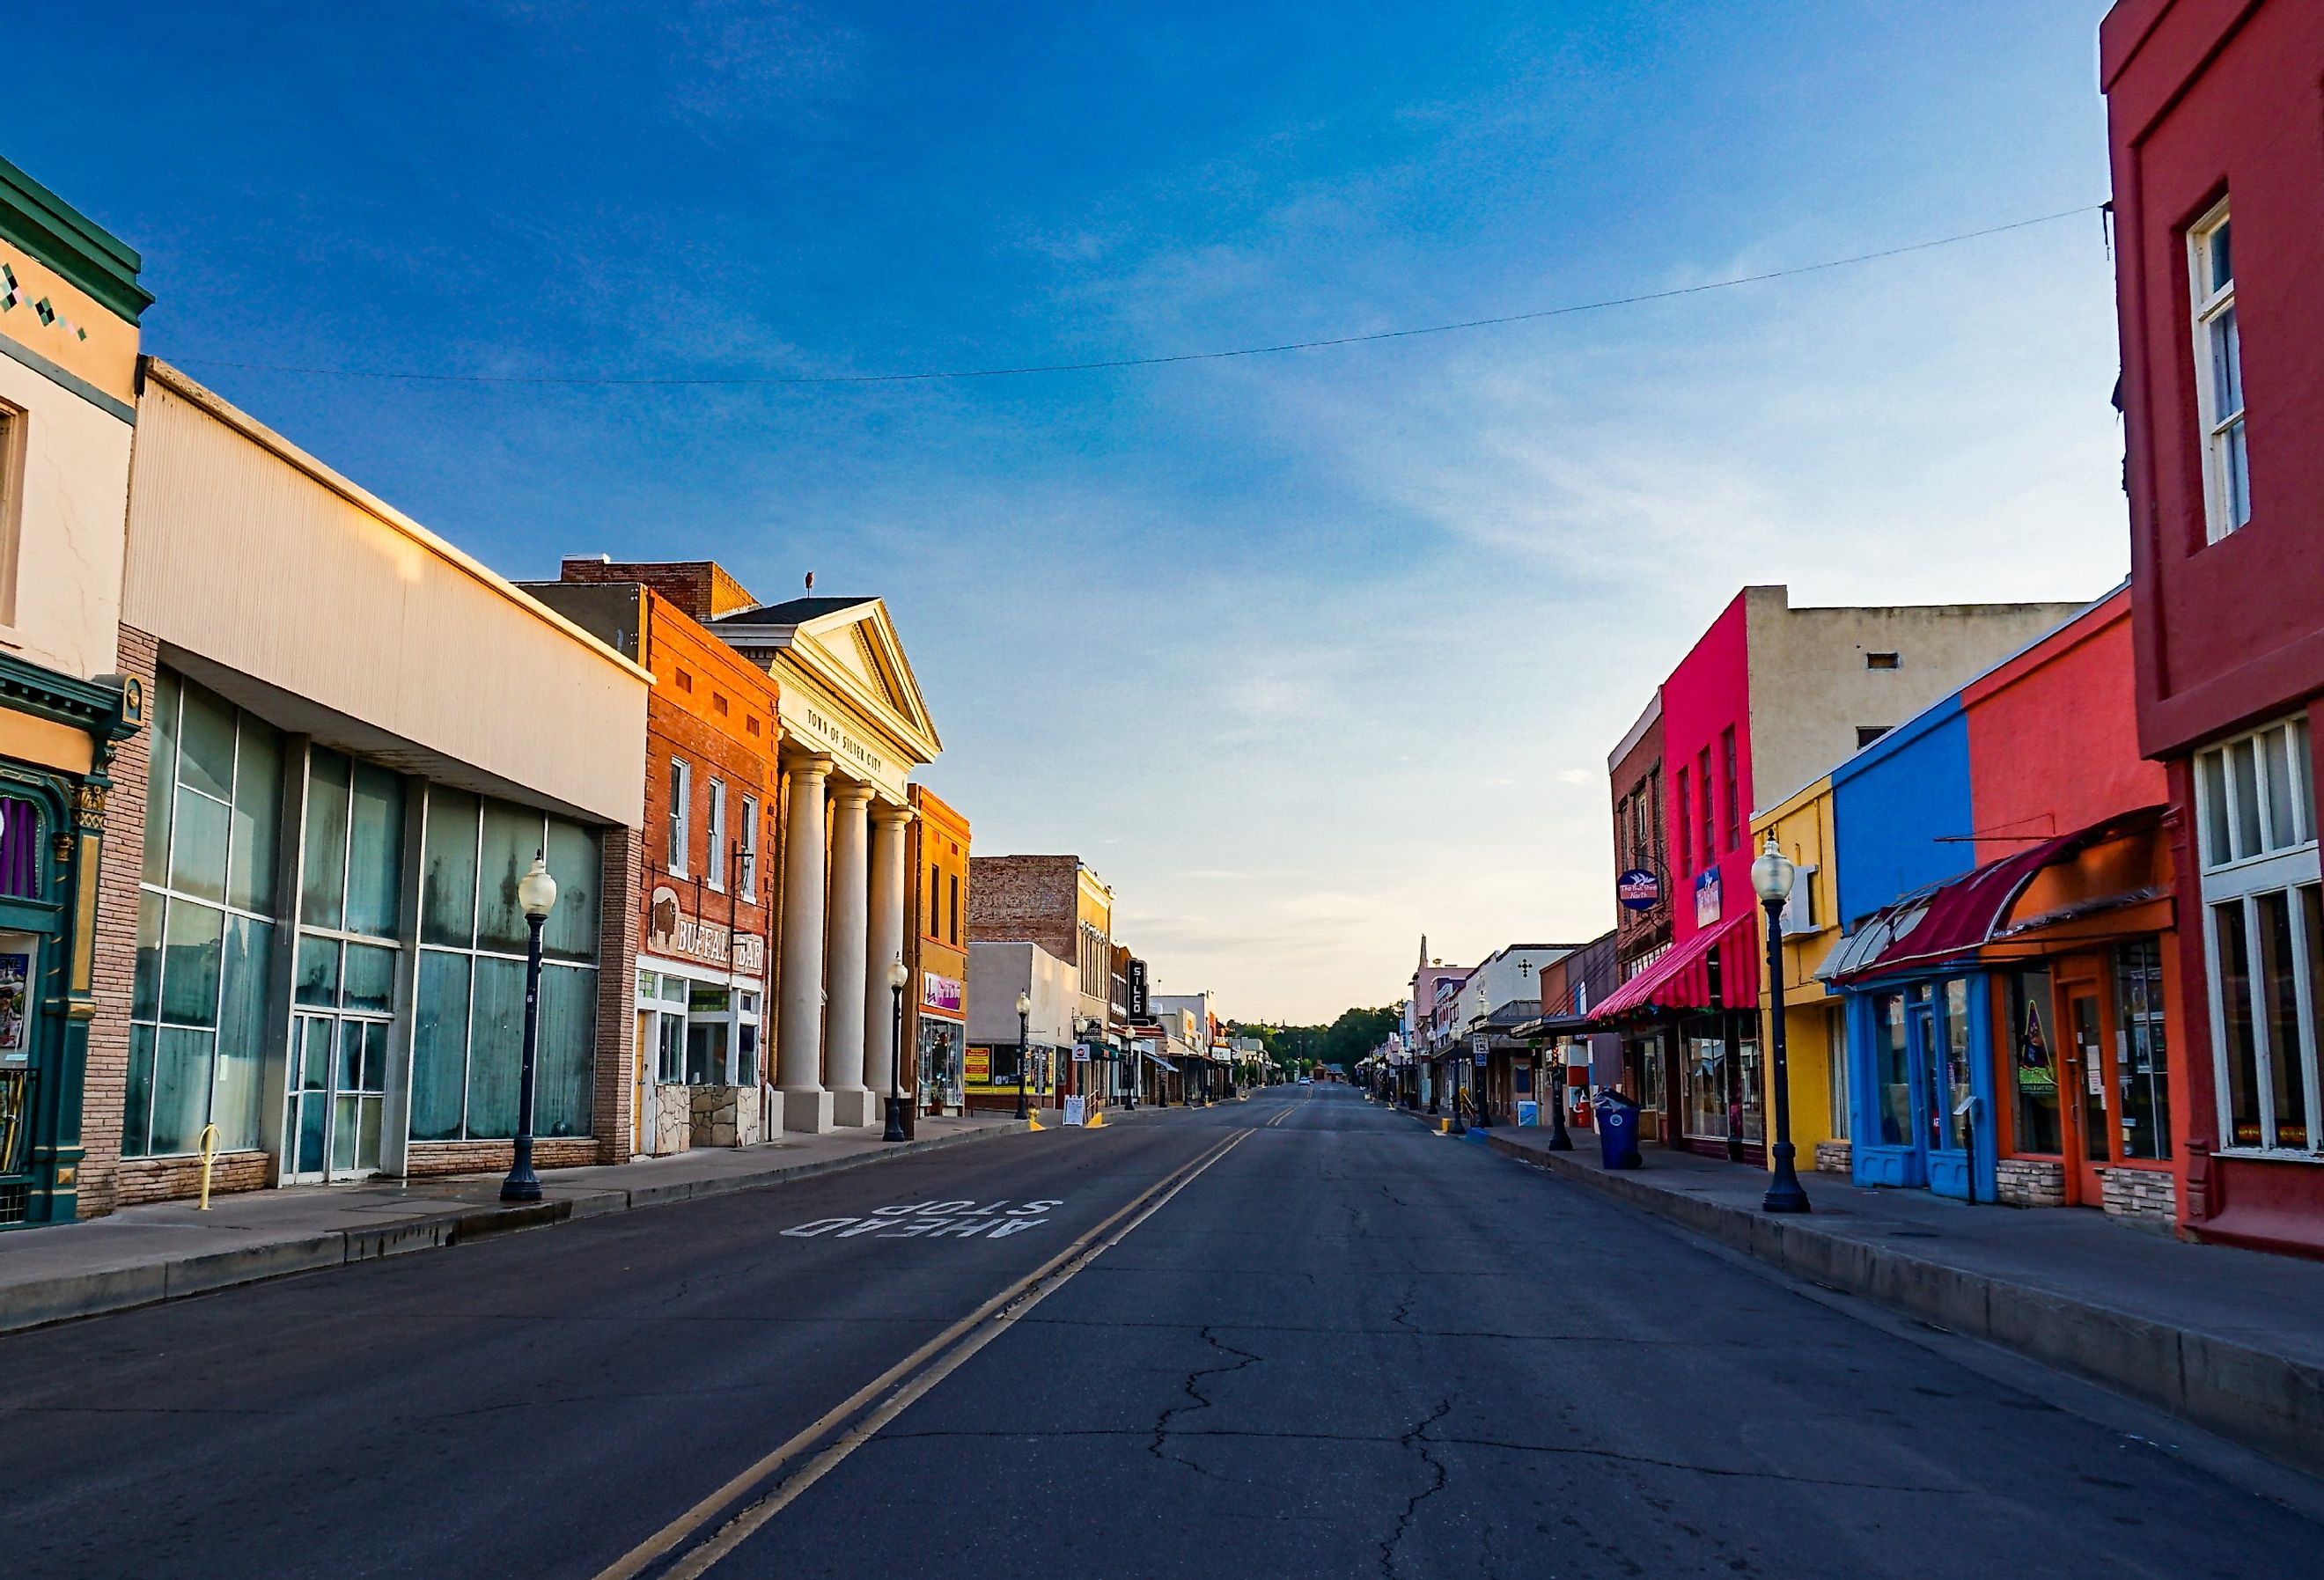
<point>747,888</point>
<point>715,851</point>
<point>2245,880</point>
<point>2209,307</point>
<point>680,821</point>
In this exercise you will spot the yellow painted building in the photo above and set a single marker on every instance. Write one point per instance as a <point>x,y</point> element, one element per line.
<point>1814,1029</point>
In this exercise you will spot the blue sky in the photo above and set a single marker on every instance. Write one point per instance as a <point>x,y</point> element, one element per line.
<point>1306,654</point>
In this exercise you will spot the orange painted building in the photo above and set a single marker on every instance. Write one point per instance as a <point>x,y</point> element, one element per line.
<point>936,1006</point>
<point>711,856</point>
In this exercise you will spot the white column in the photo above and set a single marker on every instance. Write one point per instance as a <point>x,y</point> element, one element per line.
<point>799,1031</point>
<point>885,948</point>
<point>842,967</point>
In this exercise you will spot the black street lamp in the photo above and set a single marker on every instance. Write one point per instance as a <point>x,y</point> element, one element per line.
<point>536,891</point>
<point>1559,1140</point>
<point>1772,876</point>
<point>1024,1049</point>
<point>898,974</point>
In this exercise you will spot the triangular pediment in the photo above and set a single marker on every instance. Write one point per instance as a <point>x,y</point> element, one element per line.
<point>847,648</point>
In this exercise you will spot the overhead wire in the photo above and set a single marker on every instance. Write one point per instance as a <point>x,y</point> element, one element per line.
<point>1160,360</point>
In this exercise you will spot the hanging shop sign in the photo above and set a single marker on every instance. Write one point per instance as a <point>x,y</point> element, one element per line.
<point>1081,1053</point>
<point>671,929</point>
<point>941,994</point>
<point>1639,890</point>
<point>1706,899</point>
<point>1139,1004</point>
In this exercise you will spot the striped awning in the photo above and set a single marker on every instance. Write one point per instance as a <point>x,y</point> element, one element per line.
<point>1681,979</point>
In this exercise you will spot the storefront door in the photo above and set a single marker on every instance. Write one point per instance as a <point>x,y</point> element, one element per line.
<point>338,1085</point>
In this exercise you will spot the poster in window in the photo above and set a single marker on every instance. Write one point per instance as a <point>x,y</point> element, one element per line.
<point>15,998</point>
<point>2036,1072</point>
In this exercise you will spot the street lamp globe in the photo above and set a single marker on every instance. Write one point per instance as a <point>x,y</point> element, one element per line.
<point>1773,875</point>
<point>1024,1005</point>
<point>536,891</point>
<point>899,975</point>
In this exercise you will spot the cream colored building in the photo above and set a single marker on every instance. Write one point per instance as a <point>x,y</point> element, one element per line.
<point>854,727</point>
<point>359,737</point>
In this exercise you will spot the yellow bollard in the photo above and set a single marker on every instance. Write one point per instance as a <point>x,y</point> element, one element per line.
<point>210,1160</point>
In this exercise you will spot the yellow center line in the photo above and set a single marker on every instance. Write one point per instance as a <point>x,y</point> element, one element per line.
<point>1007,1307</point>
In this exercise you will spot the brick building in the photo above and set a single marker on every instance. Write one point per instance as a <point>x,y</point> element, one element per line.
<point>705,925</point>
<point>936,1006</point>
<point>1059,903</point>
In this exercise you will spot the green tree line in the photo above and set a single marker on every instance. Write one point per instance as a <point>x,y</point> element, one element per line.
<point>1353,1034</point>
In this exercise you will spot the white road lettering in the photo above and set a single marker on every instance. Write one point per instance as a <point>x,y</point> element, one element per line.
<point>932,1220</point>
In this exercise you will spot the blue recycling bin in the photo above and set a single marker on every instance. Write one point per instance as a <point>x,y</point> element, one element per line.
<point>1618,1130</point>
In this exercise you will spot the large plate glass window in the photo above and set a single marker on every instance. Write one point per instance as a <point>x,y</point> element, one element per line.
<point>200,1014</point>
<point>468,998</point>
<point>2263,939</point>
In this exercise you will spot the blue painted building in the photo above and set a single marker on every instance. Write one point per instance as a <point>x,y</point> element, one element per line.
<point>1919,1032</point>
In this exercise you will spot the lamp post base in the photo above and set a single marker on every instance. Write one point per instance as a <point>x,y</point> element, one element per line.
<point>895,1120</point>
<point>520,1186</point>
<point>1785,1194</point>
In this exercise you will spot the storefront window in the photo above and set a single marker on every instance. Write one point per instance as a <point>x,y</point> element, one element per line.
<point>1705,1115</point>
<point>1953,1004</point>
<point>468,1027</point>
<point>1835,1065</point>
<point>1753,1095</point>
<point>1892,1073</point>
<point>2142,1078</point>
<point>2033,1064</point>
<point>706,1037</point>
<point>2260,888</point>
<point>200,1006</point>
<point>941,1076</point>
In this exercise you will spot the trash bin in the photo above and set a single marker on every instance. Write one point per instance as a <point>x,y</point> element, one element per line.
<point>1618,1130</point>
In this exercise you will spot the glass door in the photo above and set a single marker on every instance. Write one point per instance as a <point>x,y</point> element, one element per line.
<point>339,1083</point>
<point>2087,1069</point>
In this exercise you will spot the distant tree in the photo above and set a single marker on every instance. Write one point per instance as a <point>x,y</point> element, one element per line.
<point>1349,1038</point>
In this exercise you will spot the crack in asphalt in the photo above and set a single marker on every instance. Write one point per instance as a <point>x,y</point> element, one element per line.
<point>1559,1450</point>
<point>1402,1330</point>
<point>1202,1401</point>
<point>1418,1438</point>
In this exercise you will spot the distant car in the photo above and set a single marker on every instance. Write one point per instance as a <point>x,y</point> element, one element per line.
<point>1306,1080</point>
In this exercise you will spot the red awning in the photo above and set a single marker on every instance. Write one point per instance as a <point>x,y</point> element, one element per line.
<point>1962,914</point>
<point>1681,980</point>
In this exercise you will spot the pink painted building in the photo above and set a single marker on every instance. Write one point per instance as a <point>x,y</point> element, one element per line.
<point>1769,698</point>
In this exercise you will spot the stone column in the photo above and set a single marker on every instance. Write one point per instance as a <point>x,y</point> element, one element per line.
<point>885,948</point>
<point>798,1028</point>
<point>842,967</point>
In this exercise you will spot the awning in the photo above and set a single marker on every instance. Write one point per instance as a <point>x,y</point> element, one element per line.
<point>1681,979</point>
<point>1960,915</point>
<point>1158,1059</point>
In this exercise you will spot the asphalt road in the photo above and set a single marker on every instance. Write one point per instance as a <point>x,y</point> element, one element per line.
<point>1294,1336</point>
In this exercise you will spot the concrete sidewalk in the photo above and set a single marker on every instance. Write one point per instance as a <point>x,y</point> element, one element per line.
<point>169,1249</point>
<point>2230,1339</point>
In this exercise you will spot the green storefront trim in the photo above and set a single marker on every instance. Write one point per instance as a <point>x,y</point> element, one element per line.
<point>53,231</point>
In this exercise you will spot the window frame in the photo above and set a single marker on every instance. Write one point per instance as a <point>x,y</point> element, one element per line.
<point>2244,881</point>
<point>16,430</point>
<point>746,875</point>
<point>716,852</point>
<point>2211,305</point>
<point>1685,828</point>
<point>678,833</point>
<point>1728,784</point>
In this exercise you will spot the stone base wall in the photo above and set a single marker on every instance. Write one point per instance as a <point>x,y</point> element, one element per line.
<point>673,1119</point>
<point>151,1180</point>
<point>2028,1182</point>
<point>726,1116</point>
<point>2148,1198</point>
<point>428,1158</point>
<point>1835,1157</point>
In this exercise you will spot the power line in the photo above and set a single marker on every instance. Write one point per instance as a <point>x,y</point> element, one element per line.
<point>1107,364</point>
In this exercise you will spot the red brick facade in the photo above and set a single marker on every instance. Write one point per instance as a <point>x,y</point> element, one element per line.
<point>1018,897</point>
<point>106,1075</point>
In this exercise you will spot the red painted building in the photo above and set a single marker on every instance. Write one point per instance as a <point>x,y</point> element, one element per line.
<point>2090,1025</point>
<point>2214,108</point>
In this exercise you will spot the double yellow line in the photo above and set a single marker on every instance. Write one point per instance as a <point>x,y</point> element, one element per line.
<point>858,1418</point>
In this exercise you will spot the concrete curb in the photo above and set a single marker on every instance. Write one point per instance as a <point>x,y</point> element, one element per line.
<point>41,1302</point>
<point>2266,1401</point>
